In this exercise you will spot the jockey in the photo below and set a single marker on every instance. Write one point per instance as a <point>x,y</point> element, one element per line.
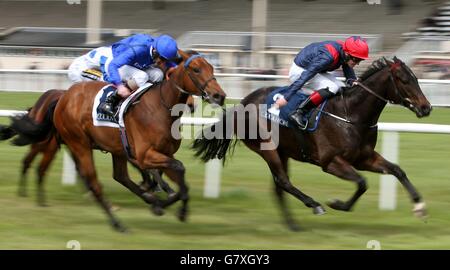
<point>128,64</point>
<point>311,66</point>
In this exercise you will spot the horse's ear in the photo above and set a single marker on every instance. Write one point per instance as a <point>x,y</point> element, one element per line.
<point>169,73</point>
<point>396,60</point>
<point>183,54</point>
<point>388,61</point>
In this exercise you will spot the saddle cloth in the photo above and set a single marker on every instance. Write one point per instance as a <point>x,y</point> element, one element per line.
<point>282,116</point>
<point>101,119</point>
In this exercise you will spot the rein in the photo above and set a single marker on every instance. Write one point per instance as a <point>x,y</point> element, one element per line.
<point>364,87</point>
<point>200,87</point>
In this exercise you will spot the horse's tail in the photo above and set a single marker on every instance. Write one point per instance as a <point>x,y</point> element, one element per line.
<point>30,131</point>
<point>215,140</point>
<point>6,132</point>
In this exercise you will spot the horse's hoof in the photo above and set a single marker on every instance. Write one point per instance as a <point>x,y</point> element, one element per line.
<point>114,208</point>
<point>338,205</point>
<point>319,210</point>
<point>118,227</point>
<point>182,215</point>
<point>171,196</point>
<point>420,210</point>
<point>293,226</point>
<point>157,210</point>
<point>42,204</point>
<point>149,198</point>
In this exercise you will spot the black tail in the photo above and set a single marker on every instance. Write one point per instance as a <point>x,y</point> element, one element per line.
<point>6,132</point>
<point>214,141</point>
<point>31,132</point>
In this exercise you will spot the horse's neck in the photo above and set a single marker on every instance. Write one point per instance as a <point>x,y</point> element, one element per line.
<point>365,107</point>
<point>171,96</point>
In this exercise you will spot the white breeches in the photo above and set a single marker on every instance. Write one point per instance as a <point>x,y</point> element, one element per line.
<point>104,54</point>
<point>319,81</point>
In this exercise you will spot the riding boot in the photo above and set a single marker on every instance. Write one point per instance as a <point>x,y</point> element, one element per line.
<point>311,102</point>
<point>110,104</point>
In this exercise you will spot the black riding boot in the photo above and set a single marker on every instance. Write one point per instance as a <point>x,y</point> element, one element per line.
<point>297,115</point>
<point>110,104</point>
<point>311,102</point>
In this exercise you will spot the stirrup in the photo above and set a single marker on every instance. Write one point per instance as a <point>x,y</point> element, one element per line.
<point>305,126</point>
<point>107,109</point>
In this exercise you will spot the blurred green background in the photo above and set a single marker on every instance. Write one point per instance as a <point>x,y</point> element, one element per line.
<point>245,216</point>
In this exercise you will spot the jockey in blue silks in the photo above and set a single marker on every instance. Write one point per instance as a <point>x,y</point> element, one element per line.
<point>128,63</point>
<point>312,67</point>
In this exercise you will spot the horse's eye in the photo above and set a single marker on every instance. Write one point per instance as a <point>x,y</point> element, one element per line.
<point>403,78</point>
<point>196,70</point>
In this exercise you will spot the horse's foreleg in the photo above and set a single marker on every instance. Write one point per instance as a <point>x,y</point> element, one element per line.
<point>48,156</point>
<point>377,163</point>
<point>282,180</point>
<point>342,169</point>
<point>175,170</point>
<point>83,158</point>
<point>157,175</point>
<point>26,164</point>
<point>120,174</point>
<point>156,183</point>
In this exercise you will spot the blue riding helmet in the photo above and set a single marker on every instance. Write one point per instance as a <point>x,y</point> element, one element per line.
<point>167,47</point>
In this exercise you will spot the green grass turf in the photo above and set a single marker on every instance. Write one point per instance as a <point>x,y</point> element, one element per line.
<point>245,216</point>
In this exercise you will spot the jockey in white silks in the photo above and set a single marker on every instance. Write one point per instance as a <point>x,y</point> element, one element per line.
<point>128,63</point>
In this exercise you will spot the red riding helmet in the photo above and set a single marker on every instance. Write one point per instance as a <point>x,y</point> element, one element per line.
<point>356,47</point>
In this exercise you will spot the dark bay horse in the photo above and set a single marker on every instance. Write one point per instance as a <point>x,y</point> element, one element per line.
<point>148,125</point>
<point>338,147</point>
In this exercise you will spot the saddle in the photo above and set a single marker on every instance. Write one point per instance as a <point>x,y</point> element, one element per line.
<point>281,116</point>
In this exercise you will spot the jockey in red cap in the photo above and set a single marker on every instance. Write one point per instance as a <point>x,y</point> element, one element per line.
<point>311,67</point>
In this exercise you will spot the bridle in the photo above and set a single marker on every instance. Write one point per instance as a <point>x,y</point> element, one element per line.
<point>392,68</point>
<point>200,87</point>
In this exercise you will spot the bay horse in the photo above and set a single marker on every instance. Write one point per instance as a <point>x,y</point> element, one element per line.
<point>148,124</point>
<point>49,148</point>
<point>339,146</point>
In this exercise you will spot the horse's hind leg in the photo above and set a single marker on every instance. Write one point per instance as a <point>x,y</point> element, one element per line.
<point>26,164</point>
<point>342,169</point>
<point>48,156</point>
<point>279,192</point>
<point>377,163</point>
<point>83,158</point>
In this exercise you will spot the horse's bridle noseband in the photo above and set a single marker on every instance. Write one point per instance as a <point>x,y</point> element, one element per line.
<point>200,87</point>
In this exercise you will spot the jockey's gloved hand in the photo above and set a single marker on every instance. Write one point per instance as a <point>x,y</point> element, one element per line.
<point>350,82</point>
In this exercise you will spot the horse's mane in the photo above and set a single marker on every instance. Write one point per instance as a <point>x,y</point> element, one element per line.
<point>191,52</point>
<point>376,66</point>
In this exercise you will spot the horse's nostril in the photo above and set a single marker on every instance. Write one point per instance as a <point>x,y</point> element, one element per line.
<point>426,109</point>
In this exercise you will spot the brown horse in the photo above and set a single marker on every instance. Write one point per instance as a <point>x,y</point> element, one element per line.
<point>48,149</point>
<point>148,124</point>
<point>339,146</point>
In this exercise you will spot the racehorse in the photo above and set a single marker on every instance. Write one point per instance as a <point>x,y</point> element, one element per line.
<point>148,128</point>
<point>343,143</point>
<point>48,149</point>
